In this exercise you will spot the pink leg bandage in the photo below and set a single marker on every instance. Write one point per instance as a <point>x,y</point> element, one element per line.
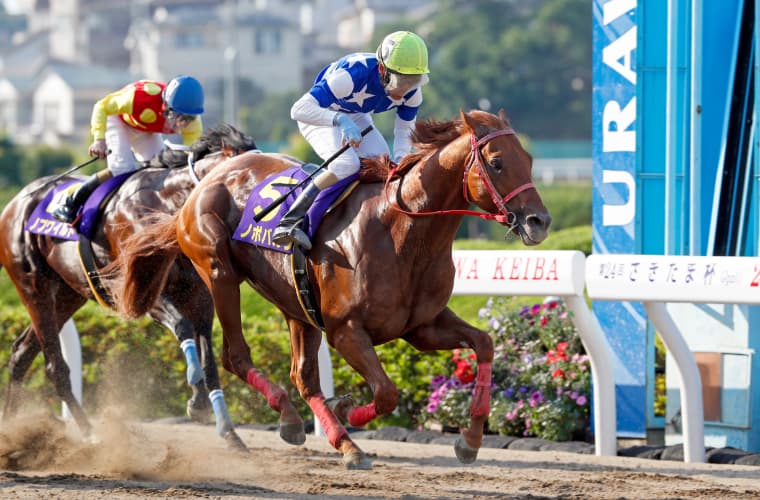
<point>358,416</point>
<point>481,400</point>
<point>333,429</point>
<point>272,392</point>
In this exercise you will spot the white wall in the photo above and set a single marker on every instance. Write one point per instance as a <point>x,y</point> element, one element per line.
<point>53,103</point>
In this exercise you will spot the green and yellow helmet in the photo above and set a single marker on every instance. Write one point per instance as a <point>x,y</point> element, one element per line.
<point>404,52</point>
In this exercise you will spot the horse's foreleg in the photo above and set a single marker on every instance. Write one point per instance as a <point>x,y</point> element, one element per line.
<point>304,372</point>
<point>167,313</point>
<point>24,350</point>
<point>448,331</point>
<point>358,351</point>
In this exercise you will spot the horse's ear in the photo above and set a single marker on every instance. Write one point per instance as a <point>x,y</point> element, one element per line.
<point>503,117</point>
<point>227,150</point>
<point>469,124</point>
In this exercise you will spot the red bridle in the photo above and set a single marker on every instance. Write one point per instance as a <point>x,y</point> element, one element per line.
<point>504,214</point>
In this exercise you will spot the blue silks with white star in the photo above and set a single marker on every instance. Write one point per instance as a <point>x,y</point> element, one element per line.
<point>352,85</point>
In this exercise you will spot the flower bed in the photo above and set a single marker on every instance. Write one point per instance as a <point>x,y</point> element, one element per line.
<point>541,376</point>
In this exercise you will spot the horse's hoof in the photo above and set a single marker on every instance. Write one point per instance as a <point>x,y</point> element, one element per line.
<point>465,453</point>
<point>357,460</point>
<point>293,433</point>
<point>234,442</point>
<point>340,405</point>
<point>201,415</point>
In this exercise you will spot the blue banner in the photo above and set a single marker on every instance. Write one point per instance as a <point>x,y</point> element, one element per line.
<point>614,150</point>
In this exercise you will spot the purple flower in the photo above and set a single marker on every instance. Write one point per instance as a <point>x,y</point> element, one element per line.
<point>580,400</point>
<point>509,392</point>
<point>438,381</point>
<point>494,324</point>
<point>535,309</point>
<point>524,311</point>
<point>523,389</point>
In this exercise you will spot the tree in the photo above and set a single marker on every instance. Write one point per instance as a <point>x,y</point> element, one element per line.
<point>531,57</point>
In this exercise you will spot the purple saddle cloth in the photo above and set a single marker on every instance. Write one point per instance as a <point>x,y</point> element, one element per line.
<point>42,221</point>
<point>260,233</point>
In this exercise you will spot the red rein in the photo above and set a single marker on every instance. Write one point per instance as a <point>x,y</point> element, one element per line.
<point>477,159</point>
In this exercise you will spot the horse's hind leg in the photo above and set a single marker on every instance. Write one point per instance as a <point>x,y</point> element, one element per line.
<point>304,372</point>
<point>25,349</point>
<point>212,256</point>
<point>448,331</point>
<point>46,327</point>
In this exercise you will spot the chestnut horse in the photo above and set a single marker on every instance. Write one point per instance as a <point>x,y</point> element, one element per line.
<point>381,265</point>
<point>52,284</point>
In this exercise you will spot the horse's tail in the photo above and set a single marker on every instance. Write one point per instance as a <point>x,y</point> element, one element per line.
<point>140,271</point>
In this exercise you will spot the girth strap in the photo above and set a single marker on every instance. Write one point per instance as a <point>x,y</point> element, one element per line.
<point>87,259</point>
<point>304,292</point>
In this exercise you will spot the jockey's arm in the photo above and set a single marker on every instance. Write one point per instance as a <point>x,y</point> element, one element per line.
<point>402,128</point>
<point>314,106</point>
<point>307,110</point>
<point>115,103</point>
<point>402,137</point>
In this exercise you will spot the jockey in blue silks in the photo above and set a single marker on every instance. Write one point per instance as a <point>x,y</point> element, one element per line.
<point>340,104</point>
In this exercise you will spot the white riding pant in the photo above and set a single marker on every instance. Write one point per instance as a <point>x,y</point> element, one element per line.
<point>127,144</point>
<point>326,141</point>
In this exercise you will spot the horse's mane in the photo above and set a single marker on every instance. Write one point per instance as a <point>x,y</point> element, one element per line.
<point>428,135</point>
<point>212,141</point>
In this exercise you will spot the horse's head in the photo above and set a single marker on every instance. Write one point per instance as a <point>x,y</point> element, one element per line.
<point>217,144</point>
<point>498,176</point>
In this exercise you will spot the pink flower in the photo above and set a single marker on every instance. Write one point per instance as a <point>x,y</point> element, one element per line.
<point>580,400</point>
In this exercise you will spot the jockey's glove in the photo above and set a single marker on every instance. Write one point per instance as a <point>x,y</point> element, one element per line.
<point>350,133</point>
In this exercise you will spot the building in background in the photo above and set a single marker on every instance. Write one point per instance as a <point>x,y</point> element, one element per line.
<point>76,51</point>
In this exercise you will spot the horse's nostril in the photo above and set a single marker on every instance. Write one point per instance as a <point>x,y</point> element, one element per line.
<point>539,221</point>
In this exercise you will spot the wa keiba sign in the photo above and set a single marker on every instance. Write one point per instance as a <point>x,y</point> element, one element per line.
<point>518,272</point>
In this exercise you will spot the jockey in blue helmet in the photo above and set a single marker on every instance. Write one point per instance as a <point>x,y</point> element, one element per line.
<point>128,124</point>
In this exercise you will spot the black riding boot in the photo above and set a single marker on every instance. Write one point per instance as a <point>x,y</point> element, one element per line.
<point>67,211</point>
<point>289,229</point>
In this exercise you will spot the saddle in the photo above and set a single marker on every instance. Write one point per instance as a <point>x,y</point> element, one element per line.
<point>260,233</point>
<point>43,223</point>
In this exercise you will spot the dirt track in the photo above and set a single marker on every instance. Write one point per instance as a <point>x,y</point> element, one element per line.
<point>153,460</point>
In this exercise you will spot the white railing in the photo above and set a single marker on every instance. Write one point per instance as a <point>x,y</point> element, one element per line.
<point>72,354</point>
<point>655,280</point>
<point>549,273</point>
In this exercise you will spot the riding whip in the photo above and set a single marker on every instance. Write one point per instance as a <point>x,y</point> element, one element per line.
<point>67,172</point>
<point>279,200</point>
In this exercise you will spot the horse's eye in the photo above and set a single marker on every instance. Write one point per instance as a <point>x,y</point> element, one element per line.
<point>495,164</point>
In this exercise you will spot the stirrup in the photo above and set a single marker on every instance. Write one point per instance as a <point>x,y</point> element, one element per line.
<point>282,235</point>
<point>300,238</point>
<point>65,213</point>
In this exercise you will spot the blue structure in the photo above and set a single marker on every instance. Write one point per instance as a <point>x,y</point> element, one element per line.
<point>675,172</point>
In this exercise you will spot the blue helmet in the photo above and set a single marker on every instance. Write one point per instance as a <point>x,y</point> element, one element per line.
<point>184,95</point>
